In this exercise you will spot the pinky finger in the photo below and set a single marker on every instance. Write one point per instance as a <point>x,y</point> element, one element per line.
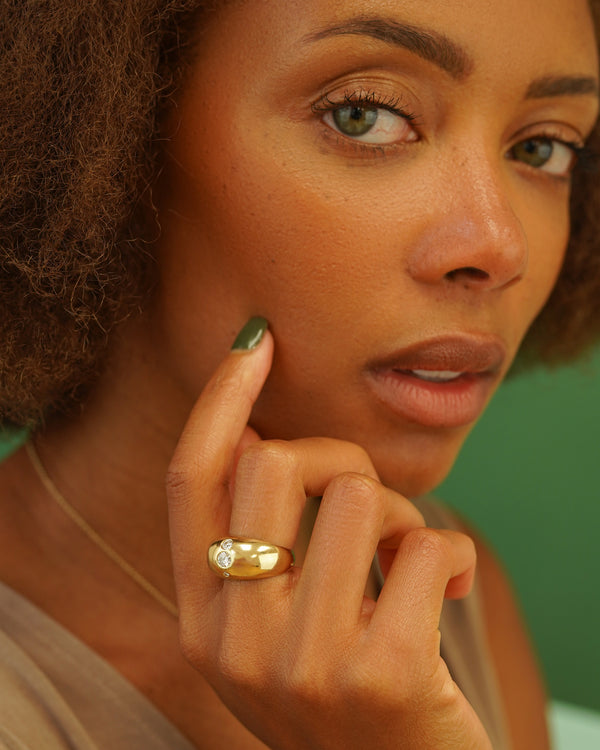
<point>428,565</point>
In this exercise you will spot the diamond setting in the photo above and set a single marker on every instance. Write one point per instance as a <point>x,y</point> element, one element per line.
<point>224,560</point>
<point>227,544</point>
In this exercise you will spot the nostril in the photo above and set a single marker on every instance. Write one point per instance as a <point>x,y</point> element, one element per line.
<point>470,272</point>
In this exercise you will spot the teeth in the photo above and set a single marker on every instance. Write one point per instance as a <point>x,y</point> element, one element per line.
<point>436,376</point>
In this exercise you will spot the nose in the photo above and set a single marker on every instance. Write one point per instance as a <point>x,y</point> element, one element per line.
<point>474,240</point>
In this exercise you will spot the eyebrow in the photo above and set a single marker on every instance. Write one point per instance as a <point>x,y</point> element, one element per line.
<point>447,55</point>
<point>549,86</point>
<point>430,45</point>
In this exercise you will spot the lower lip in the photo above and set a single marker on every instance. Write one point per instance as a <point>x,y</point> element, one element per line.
<point>455,403</point>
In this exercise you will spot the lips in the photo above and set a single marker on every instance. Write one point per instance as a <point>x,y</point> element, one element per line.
<point>441,382</point>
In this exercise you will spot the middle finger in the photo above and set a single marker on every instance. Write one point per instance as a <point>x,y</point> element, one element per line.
<point>274,478</point>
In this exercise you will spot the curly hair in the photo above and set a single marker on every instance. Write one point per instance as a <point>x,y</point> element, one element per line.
<point>83,85</point>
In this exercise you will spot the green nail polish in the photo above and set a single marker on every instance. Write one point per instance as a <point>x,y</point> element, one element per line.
<point>251,334</point>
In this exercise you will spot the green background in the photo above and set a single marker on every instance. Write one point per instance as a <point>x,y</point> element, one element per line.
<point>529,479</point>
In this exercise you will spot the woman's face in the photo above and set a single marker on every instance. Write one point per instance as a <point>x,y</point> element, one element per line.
<point>387,182</point>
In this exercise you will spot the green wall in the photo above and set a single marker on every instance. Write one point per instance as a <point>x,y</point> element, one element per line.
<point>529,479</point>
<point>8,443</point>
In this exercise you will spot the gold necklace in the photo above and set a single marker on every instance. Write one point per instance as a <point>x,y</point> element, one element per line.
<point>93,535</point>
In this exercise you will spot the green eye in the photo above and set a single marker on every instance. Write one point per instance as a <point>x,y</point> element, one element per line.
<point>546,154</point>
<point>369,123</point>
<point>535,152</point>
<point>354,121</point>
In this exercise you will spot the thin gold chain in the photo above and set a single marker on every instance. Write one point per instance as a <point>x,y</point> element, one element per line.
<point>93,535</point>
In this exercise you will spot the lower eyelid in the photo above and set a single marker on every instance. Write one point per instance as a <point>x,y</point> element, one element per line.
<point>354,147</point>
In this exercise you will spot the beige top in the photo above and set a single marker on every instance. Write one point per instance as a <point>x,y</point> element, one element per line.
<point>57,694</point>
<point>464,647</point>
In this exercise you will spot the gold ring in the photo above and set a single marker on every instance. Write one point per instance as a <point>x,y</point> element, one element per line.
<point>248,559</point>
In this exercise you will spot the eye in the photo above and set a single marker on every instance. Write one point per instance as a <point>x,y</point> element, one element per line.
<point>370,124</point>
<point>547,154</point>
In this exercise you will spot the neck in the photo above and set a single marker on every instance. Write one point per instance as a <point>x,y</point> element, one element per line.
<point>111,460</point>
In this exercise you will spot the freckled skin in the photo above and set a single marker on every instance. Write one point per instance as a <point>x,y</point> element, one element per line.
<point>349,251</point>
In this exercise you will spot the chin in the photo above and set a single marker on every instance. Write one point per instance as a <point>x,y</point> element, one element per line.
<point>420,464</point>
<point>416,481</point>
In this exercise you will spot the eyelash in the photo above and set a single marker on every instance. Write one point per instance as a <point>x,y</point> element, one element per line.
<point>586,159</point>
<point>360,98</point>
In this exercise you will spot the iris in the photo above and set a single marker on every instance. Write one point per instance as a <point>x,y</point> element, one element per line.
<point>355,121</point>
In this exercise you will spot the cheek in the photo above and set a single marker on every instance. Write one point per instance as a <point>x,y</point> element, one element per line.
<point>549,233</point>
<point>300,249</point>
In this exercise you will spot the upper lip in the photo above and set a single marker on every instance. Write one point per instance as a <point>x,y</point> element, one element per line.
<point>456,353</point>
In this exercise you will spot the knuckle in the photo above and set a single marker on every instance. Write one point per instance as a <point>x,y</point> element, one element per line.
<point>228,387</point>
<point>367,681</point>
<point>178,481</point>
<point>184,479</point>
<point>235,669</point>
<point>359,491</point>
<point>313,670</point>
<point>368,684</point>
<point>305,684</point>
<point>272,456</point>
<point>426,544</point>
<point>354,483</point>
<point>361,459</point>
<point>176,478</point>
<point>229,659</point>
<point>224,382</point>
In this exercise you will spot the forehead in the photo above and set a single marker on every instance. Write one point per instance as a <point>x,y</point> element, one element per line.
<point>510,37</point>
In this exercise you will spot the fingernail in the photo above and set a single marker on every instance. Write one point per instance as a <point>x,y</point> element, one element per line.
<point>251,334</point>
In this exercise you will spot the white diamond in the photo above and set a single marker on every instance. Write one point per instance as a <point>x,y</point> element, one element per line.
<point>227,544</point>
<point>224,560</point>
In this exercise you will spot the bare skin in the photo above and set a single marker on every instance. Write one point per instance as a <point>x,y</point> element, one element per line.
<point>352,252</point>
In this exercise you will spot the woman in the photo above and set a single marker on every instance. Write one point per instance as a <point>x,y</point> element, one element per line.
<point>388,185</point>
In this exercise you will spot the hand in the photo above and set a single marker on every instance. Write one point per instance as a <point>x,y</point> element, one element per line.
<point>304,659</point>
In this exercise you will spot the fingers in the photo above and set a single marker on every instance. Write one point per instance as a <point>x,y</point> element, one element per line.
<point>200,469</point>
<point>355,511</point>
<point>274,478</point>
<point>411,599</point>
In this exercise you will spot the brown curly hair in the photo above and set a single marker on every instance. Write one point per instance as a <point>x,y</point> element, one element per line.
<point>82,87</point>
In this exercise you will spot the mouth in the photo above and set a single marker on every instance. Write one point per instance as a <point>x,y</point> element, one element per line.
<point>441,382</point>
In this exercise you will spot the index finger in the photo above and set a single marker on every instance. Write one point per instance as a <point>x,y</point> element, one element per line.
<point>199,470</point>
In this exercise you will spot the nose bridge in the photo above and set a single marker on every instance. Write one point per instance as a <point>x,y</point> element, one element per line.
<point>474,236</point>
